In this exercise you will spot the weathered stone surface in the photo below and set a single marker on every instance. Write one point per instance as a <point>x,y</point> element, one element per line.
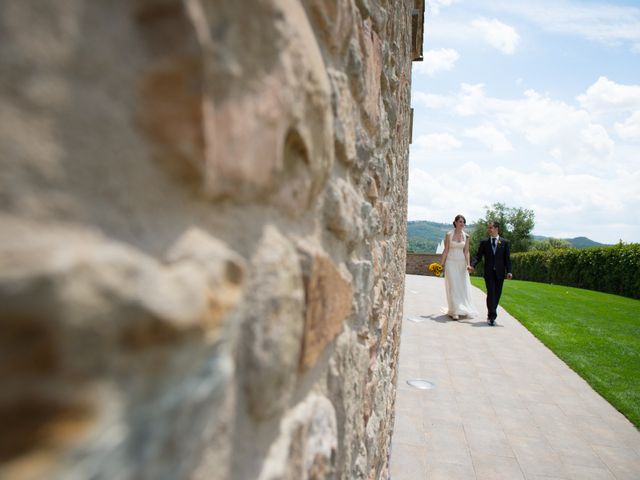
<point>372,190</point>
<point>334,22</point>
<point>85,327</point>
<point>203,212</point>
<point>346,386</point>
<point>372,53</point>
<point>306,447</point>
<point>378,11</point>
<point>328,296</point>
<point>274,323</point>
<point>276,103</point>
<point>362,274</point>
<point>348,215</point>
<point>172,95</point>
<point>342,211</point>
<point>225,270</point>
<point>344,111</point>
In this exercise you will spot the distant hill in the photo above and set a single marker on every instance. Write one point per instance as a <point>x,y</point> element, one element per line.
<point>577,242</point>
<point>424,236</point>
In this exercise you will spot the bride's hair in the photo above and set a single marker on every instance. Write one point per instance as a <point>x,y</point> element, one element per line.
<point>458,217</point>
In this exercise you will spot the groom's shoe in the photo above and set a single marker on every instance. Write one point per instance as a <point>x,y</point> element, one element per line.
<point>492,321</point>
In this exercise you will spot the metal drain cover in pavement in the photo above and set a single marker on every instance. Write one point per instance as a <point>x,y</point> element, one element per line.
<point>421,384</point>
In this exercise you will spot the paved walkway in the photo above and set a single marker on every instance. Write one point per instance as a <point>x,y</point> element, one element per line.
<point>503,406</point>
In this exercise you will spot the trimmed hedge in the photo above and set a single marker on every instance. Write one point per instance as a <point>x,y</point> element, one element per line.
<point>613,269</point>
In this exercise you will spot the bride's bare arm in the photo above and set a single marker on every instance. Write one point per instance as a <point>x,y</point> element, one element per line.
<point>466,252</point>
<point>445,252</point>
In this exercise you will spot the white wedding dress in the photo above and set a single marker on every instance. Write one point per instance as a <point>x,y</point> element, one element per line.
<point>457,283</point>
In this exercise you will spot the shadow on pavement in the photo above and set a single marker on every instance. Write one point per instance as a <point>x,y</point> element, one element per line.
<point>442,318</point>
<point>484,323</point>
<point>437,318</point>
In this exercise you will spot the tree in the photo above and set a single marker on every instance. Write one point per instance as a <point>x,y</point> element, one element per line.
<point>550,244</point>
<point>515,225</point>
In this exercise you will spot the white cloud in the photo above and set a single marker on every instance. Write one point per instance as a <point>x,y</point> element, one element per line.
<point>431,100</point>
<point>599,22</point>
<point>606,96</point>
<point>597,139</point>
<point>564,131</point>
<point>542,120</point>
<point>497,34</point>
<point>551,168</point>
<point>434,6</point>
<point>490,136</point>
<point>471,100</point>
<point>630,129</point>
<point>439,142</point>
<point>565,204</point>
<point>436,61</point>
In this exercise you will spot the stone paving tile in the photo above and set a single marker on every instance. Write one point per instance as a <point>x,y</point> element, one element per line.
<point>503,405</point>
<point>545,477</point>
<point>627,432</point>
<point>535,455</point>
<point>488,441</point>
<point>408,402</point>
<point>407,462</point>
<point>442,393</point>
<point>491,467</point>
<point>580,456</point>
<point>599,433</point>
<point>518,422</point>
<point>470,409</point>
<point>547,414</point>
<point>576,472</point>
<point>565,439</point>
<point>624,463</point>
<point>447,444</point>
<point>408,428</point>
<point>437,470</point>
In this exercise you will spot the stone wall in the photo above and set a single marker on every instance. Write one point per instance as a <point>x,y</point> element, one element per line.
<point>418,263</point>
<point>203,210</point>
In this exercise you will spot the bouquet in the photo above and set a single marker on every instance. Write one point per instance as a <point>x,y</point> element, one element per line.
<point>436,269</point>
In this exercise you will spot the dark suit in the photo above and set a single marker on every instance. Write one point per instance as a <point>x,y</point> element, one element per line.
<point>496,267</point>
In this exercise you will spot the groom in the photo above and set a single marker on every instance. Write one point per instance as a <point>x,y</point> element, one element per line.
<point>497,265</point>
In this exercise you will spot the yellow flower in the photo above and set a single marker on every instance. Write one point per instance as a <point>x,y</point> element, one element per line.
<point>436,269</point>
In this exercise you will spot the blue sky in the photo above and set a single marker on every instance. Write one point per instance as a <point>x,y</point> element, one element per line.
<point>532,104</point>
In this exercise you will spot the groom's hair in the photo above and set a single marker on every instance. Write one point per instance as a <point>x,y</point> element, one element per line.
<point>495,224</point>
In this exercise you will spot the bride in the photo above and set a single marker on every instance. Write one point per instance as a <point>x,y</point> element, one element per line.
<point>455,260</point>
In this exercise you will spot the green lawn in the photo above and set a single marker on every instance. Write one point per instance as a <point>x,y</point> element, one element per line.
<point>596,334</point>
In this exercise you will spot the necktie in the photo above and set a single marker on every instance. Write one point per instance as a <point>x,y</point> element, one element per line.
<point>493,244</point>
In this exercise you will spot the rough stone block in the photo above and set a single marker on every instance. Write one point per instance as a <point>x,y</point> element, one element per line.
<point>277,104</point>
<point>306,447</point>
<point>274,323</point>
<point>328,296</point>
<point>344,111</point>
<point>85,325</point>
<point>334,21</point>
